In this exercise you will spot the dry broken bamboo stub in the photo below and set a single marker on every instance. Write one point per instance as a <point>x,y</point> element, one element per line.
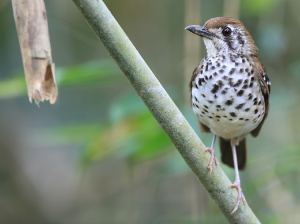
<point>32,28</point>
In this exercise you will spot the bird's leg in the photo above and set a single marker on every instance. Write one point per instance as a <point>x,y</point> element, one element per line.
<point>213,156</point>
<point>237,182</point>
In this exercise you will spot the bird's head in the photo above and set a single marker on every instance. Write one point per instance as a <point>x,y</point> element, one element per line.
<point>224,35</point>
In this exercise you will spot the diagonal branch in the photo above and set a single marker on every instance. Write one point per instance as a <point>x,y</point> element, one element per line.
<point>163,108</point>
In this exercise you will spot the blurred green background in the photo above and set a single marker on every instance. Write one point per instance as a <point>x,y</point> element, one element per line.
<point>98,156</point>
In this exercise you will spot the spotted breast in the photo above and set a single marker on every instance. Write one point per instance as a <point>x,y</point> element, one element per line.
<point>226,97</point>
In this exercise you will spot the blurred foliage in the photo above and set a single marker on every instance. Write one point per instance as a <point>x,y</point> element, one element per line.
<point>256,7</point>
<point>104,72</point>
<point>132,132</point>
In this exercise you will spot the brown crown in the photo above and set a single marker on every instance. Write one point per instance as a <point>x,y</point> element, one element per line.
<point>222,21</point>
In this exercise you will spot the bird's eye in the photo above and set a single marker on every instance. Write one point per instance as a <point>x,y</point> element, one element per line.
<point>226,31</point>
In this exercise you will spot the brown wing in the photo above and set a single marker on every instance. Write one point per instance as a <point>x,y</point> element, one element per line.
<point>265,86</point>
<point>203,128</point>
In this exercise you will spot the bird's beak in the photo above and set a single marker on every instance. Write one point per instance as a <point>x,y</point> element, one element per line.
<point>200,31</point>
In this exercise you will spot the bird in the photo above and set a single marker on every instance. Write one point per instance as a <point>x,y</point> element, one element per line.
<point>230,92</point>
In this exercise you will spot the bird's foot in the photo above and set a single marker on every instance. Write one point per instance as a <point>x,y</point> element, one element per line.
<point>237,185</point>
<point>212,158</point>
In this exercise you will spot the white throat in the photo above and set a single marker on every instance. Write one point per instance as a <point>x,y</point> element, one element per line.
<point>210,47</point>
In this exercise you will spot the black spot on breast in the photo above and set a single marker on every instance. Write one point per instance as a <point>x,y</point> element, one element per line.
<point>245,87</point>
<point>246,81</point>
<point>247,120</point>
<point>196,86</point>
<point>201,72</point>
<point>196,99</point>
<point>202,66</point>
<point>230,119</point>
<point>232,71</point>
<point>256,110</point>
<point>238,83</point>
<point>215,89</point>
<point>206,78</point>
<point>210,77</point>
<point>225,77</point>
<point>240,93</point>
<point>210,101</point>
<point>220,83</point>
<point>202,112</point>
<point>241,119</point>
<point>206,68</point>
<point>199,82</point>
<point>218,64</point>
<point>247,109</point>
<point>229,102</point>
<point>252,71</point>
<point>202,80</point>
<point>241,70</point>
<point>215,74</point>
<point>206,106</point>
<point>224,66</point>
<point>255,101</point>
<point>218,106</point>
<point>230,82</point>
<point>247,70</point>
<point>213,67</point>
<point>240,106</point>
<point>224,92</point>
<point>218,116</point>
<point>236,64</point>
<point>225,116</point>
<point>249,74</point>
<point>218,120</point>
<point>251,84</point>
<point>252,79</point>
<point>196,105</point>
<point>205,110</point>
<point>216,96</point>
<point>210,117</point>
<point>243,60</point>
<point>203,95</point>
<point>250,96</point>
<point>221,71</point>
<point>232,114</point>
<point>259,103</point>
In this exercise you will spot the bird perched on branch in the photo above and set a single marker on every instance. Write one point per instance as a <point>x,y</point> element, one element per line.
<point>229,91</point>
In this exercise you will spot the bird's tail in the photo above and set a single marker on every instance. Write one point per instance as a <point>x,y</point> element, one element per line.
<point>227,156</point>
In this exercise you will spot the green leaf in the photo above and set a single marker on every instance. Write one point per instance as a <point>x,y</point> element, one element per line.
<point>256,7</point>
<point>12,87</point>
<point>100,72</point>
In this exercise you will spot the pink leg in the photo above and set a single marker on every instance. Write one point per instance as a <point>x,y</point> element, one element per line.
<point>237,182</point>
<point>213,156</point>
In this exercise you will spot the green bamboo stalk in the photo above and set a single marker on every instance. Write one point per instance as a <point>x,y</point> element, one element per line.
<point>163,109</point>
